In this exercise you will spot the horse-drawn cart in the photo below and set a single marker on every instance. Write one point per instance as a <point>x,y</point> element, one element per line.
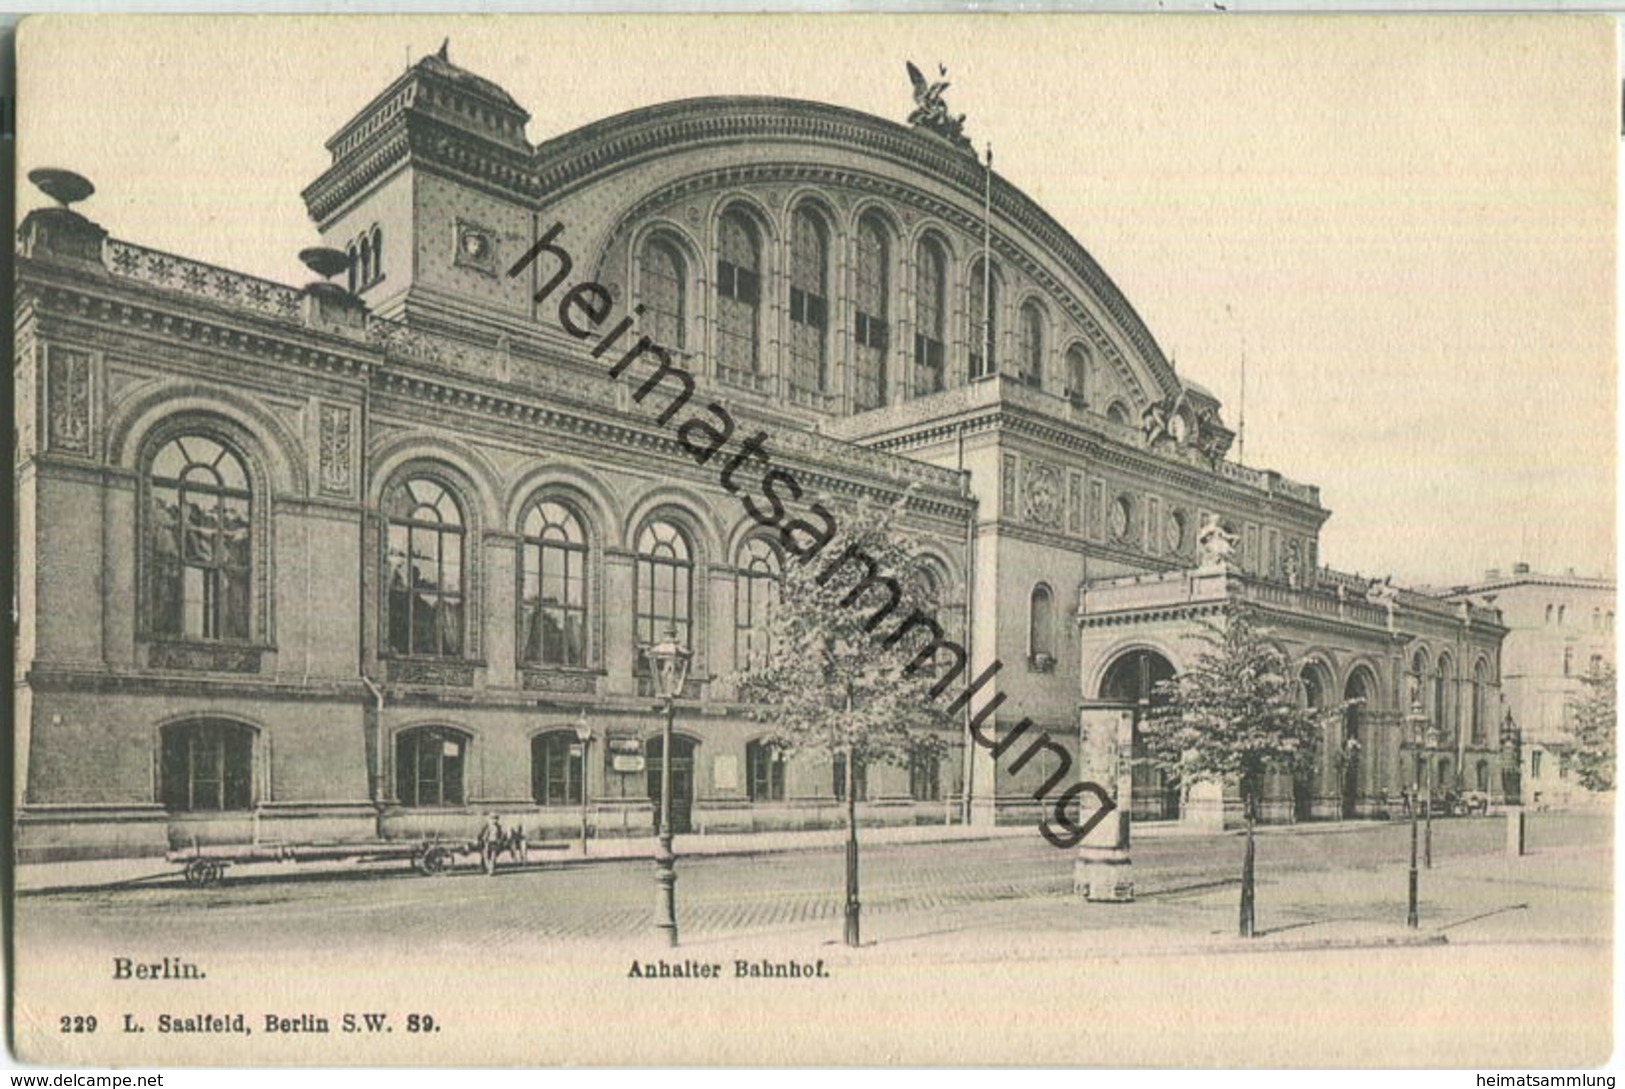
<point>203,866</point>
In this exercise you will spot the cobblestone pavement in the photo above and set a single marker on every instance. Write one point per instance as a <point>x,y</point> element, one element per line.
<point>1350,872</point>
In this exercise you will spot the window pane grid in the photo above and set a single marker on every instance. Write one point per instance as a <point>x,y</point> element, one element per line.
<point>199,541</point>
<point>423,555</point>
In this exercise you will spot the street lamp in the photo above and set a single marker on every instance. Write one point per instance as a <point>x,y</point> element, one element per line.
<point>584,738</point>
<point>1416,720</point>
<point>1429,747</point>
<point>668,662</point>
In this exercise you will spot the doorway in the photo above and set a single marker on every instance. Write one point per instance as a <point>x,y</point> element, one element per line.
<point>682,781</point>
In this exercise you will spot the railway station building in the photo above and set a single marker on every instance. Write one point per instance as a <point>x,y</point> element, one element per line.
<point>365,558</point>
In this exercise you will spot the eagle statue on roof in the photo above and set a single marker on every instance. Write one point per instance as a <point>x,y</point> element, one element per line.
<point>931,112</point>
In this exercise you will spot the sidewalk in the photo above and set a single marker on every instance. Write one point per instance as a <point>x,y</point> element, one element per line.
<point>1560,897</point>
<point>107,873</point>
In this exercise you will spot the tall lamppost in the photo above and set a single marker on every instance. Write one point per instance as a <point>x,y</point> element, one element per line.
<point>1416,720</point>
<point>668,663</point>
<point>584,740</point>
<point>1429,746</point>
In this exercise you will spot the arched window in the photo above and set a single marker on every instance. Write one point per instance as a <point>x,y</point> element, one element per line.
<point>429,766</point>
<point>756,596</point>
<point>366,262</point>
<point>809,300</point>
<point>200,541</point>
<point>925,776</point>
<point>930,318</point>
<point>1417,689</point>
<point>1481,695</point>
<point>664,293</point>
<point>556,768</point>
<point>1484,775</point>
<point>1568,661</point>
<point>872,331</point>
<point>1562,614</point>
<point>1077,375</point>
<point>1444,698</point>
<point>354,272</point>
<point>1117,413</point>
<point>425,556</point>
<point>1041,628</point>
<point>553,598</point>
<point>1549,610</point>
<point>665,576</point>
<point>377,254</point>
<point>983,314</point>
<point>860,779</point>
<point>764,767</point>
<point>207,766</point>
<point>1031,356</point>
<point>739,294</point>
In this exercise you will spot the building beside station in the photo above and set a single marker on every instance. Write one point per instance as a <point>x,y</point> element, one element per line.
<point>1560,629</point>
<point>360,559</point>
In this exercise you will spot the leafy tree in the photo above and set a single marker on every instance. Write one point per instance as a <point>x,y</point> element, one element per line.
<point>1234,717</point>
<point>850,670</point>
<point>1591,724</point>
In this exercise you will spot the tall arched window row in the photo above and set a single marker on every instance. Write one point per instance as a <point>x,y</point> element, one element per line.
<point>930,318</point>
<point>983,312</point>
<point>430,766</point>
<point>553,593</point>
<point>739,293</point>
<point>809,300</point>
<point>664,293</point>
<point>199,541</point>
<point>1077,375</point>
<point>1444,698</point>
<point>757,596</point>
<point>425,577</point>
<point>1481,695</point>
<point>871,331</point>
<point>1031,359</point>
<point>207,766</point>
<point>665,584</point>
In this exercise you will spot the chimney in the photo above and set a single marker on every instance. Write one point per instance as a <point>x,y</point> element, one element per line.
<point>1520,569</point>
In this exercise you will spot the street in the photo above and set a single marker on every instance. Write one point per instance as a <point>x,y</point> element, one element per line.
<point>1352,872</point>
<point>1333,978</point>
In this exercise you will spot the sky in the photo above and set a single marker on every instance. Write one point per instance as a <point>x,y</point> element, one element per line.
<point>1405,226</point>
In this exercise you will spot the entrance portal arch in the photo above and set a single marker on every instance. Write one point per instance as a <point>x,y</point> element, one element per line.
<point>1131,680</point>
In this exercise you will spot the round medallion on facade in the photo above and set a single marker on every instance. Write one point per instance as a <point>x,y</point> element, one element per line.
<point>1122,515</point>
<point>1044,495</point>
<point>1176,531</point>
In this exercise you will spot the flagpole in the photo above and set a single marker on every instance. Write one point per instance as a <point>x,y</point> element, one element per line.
<point>1241,419</point>
<point>987,267</point>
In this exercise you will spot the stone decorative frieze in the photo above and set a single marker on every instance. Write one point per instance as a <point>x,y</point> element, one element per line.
<point>1043,494</point>
<point>549,680</point>
<point>196,278</point>
<point>336,446</point>
<point>1074,504</point>
<point>194,657</point>
<point>68,400</point>
<point>448,674</point>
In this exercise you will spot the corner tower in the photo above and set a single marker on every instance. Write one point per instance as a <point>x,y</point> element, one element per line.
<point>427,193</point>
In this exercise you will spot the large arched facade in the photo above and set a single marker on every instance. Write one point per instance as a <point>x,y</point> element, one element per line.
<point>386,550</point>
